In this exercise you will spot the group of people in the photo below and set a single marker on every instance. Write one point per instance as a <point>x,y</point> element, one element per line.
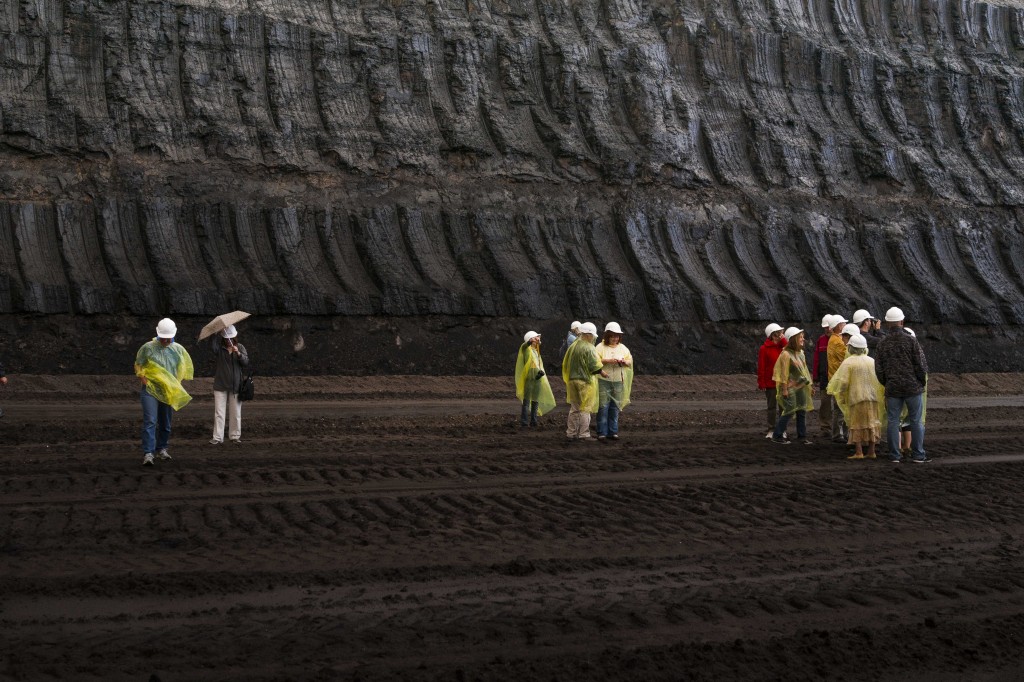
<point>162,364</point>
<point>874,380</point>
<point>598,379</point>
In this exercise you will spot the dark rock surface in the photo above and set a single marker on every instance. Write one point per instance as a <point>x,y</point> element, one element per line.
<point>699,164</point>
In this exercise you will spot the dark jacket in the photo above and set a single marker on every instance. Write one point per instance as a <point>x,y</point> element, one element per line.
<point>900,364</point>
<point>227,372</point>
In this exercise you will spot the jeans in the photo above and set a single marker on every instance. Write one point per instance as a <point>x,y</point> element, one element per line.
<point>156,423</point>
<point>609,394</point>
<point>893,407</point>
<point>839,430</point>
<point>801,425</point>
<point>529,411</point>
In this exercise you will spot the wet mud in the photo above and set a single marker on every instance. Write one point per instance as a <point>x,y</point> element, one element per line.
<point>376,529</point>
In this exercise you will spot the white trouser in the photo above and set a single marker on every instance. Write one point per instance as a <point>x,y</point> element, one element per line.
<point>222,400</point>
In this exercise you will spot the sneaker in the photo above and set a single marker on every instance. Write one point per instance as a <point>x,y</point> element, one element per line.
<point>214,441</point>
<point>147,459</point>
<point>164,455</point>
<point>924,460</point>
<point>856,456</point>
<point>808,441</point>
<point>614,436</point>
<point>602,439</point>
<point>780,441</point>
<point>896,461</point>
<point>769,434</point>
<point>236,441</point>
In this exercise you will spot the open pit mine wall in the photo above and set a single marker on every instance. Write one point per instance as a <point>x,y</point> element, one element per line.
<point>694,162</point>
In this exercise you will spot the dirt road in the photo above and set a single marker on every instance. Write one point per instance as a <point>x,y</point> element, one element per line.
<point>392,535</point>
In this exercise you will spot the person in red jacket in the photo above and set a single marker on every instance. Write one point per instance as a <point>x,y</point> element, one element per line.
<point>821,376</point>
<point>766,357</point>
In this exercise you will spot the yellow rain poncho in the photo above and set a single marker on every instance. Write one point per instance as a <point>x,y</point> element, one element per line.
<point>528,364</point>
<point>791,374</point>
<point>164,368</point>
<point>580,368</point>
<point>619,385</point>
<point>859,395</point>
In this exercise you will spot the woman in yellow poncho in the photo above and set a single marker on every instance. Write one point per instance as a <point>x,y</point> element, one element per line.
<point>792,387</point>
<point>532,385</point>
<point>859,395</point>
<point>161,365</point>
<point>613,392</point>
<point>580,368</point>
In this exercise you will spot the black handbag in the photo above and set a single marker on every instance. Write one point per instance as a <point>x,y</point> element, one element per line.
<point>246,388</point>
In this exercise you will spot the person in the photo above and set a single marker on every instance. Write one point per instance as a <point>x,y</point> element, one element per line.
<point>793,388</point>
<point>836,355</point>
<point>161,365</point>
<point>857,392</point>
<point>229,359</point>
<point>821,377</point>
<point>574,331</point>
<point>905,437</point>
<point>614,389</point>
<point>580,368</point>
<point>868,327</point>
<point>773,345</point>
<point>532,386</point>
<point>901,367</point>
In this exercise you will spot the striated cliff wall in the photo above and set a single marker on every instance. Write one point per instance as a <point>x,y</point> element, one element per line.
<point>692,162</point>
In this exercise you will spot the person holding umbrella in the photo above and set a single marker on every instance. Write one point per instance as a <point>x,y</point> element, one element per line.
<point>161,365</point>
<point>230,357</point>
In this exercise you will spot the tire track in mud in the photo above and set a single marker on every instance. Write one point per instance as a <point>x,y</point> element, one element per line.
<point>412,549</point>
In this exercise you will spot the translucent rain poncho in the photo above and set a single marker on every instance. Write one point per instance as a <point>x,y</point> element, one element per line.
<point>164,369</point>
<point>791,372</point>
<point>528,364</point>
<point>858,393</point>
<point>604,351</point>
<point>580,368</point>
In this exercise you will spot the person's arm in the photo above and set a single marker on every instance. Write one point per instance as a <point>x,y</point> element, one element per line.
<point>920,363</point>
<point>140,359</point>
<point>880,369</point>
<point>243,356</point>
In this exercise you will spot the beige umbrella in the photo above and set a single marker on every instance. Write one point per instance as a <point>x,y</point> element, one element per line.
<point>222,322</point>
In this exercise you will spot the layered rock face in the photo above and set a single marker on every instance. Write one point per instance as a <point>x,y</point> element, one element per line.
<point>691,162</point>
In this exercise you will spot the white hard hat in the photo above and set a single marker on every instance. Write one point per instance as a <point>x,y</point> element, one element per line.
<point>851,329</point>
<point>826,322</point>
<point>588,328</point>
<point>910,331</point>
<point>857,341</point>
<point>894,315</point>
<point>229,332</point>
<point>860,316</point>
<point>771,329</point>
<point>575,325</point>
<point>838,320</point>
<point>613,327</point>
<point>528,336</point>
<point>791,332</point>
<point>165,328</point>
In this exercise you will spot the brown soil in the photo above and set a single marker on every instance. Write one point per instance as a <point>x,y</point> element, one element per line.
<point>380,529</point>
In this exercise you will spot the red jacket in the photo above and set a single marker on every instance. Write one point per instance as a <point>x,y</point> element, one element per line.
<point>766,358</point>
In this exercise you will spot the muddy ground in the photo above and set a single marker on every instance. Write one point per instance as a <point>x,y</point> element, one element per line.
<point>380,529</point>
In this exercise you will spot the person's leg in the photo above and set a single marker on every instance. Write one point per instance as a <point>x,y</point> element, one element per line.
<point>163,425</point>
<point>149,408</point>
<point>825,414</point>
<point>613,418</point>
<point>534,406</point>
<point>219,402</point>
<point>603,400</point>
<point>905,439</point>
<point>837,419</point>
<point>773,407</point>
<point>780,426</point>
<point>914,408</point>
<point>573,423</point>
<point>234,417</point>
<point>584,425</point>
<point>524,413</point>
<point>893,406</point>
<point>801,424</point>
